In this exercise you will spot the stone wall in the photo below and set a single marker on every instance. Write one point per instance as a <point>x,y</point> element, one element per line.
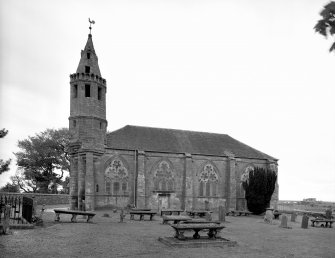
<point>167,180</point>
<point>47,199</point>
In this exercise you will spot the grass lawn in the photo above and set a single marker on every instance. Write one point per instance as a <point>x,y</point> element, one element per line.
<point>106,237</point>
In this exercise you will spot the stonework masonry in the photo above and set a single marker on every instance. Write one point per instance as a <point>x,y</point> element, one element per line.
<point>149,167</point>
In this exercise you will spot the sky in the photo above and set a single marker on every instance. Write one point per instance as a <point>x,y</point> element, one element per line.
<point>254,70</point>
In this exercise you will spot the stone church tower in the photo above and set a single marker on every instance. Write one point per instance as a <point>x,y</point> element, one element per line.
<point>149,167</point>
<point>87,125</point>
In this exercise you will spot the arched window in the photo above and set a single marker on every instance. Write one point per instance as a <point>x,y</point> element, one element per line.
<point>116,175</point>
<point>164,177</point>
<point>208,181</point>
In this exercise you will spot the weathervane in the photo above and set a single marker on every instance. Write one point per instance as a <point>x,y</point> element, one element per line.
<point>91,22</point>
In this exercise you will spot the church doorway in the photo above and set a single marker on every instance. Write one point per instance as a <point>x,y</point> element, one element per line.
<point>163,201</point>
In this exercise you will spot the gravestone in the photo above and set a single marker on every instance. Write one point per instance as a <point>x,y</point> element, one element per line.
<point>208,216</point>
<point>329,213</point>
<point>304,221</point>
<point>222,214</point>
<point>268,218</point>
<point>5,224</point>
<point>283,222</point>
<point>39,219</point>
<point>122,215</point>
<point>293,217</point>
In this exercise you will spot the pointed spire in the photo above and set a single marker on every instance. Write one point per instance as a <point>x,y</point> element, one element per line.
<point>88,63</point>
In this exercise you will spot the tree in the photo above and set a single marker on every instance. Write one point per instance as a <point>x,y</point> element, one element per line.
<point>326,26</point>
<point>10,187</point>
<point>66,185</point>
<point>42,161</point>
<point>259,188</point>
<point>4,165</point>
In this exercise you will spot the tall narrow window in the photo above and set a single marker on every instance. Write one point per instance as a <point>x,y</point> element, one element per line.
<point>99,93</point>
<point>88,55</point>
<point>124,186</point>
<point>116,187</point>
<point>100,125</point>
<point>208,189</point>
<point>108,187</point>
<point>74,123</point>
<point>97,188</point>
<point>201,188</point>
<point>75,91</point>
<point>87,69</point>
<point>87,90</point>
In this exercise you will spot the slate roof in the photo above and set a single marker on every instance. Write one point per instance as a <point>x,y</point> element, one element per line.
<point>180,141</point>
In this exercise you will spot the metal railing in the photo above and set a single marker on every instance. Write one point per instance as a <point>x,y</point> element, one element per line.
<point>21,208</point>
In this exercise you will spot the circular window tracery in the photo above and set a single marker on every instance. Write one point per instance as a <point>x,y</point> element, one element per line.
<point>116,171</point>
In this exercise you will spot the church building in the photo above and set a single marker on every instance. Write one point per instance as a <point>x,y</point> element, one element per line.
<point>149,167</point>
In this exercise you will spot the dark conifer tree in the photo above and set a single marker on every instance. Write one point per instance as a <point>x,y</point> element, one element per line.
<point>259,189</point>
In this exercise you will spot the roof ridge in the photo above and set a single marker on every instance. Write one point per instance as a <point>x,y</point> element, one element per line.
<point>172,129</point>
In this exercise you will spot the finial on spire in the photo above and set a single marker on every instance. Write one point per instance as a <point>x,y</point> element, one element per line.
<point>91,22</point>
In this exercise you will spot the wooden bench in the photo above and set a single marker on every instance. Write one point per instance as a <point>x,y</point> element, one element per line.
<point>171,211</point>
<point>323,222</point>
<point>74,214</point>
<point>212,228</point>
<point>175,218</point>
<point>239,212</point>
<point>199,213</point>
<point>142,213</point>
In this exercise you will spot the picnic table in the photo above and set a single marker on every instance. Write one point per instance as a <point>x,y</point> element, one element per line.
<point>276,214</point>
<point>199,213</point>
<point>240,212</point>
<point>74,214</point>
<point>140,209</point>
<point>175,218</point>
<point>200,221</point>
<point>142,213</point>
<point>323,222</point>
<point>171,211</point>
<point>212,228</point>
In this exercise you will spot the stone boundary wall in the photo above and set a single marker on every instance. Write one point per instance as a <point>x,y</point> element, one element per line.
<point>40,198</point>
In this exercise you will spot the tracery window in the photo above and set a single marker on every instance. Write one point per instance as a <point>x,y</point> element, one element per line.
<point>116,176</point>
<point>164,177</point>
<point>208,181</point>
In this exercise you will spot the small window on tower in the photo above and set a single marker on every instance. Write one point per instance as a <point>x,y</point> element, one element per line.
<point>87,69</point>
<point>75,91</point>
<point>88,55</point>
<point>100,125</point>
<point>87,90</point>
<point>74,123</point>
<point>99,93</point>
